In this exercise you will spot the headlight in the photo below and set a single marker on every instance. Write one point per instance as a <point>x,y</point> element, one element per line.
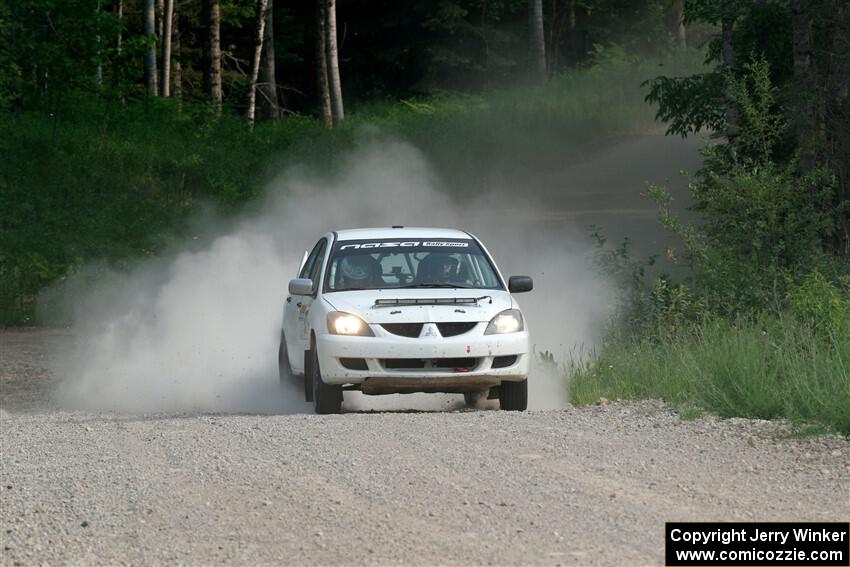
<point>508,321</point>
<point>347,324</point>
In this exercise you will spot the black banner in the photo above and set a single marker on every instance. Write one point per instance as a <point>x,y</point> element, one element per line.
<point>742,544</point>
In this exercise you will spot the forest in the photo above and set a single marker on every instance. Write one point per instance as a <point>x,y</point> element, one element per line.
<point>121,119</point>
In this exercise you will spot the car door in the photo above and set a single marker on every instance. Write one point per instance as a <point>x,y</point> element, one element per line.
<point>297,308</point>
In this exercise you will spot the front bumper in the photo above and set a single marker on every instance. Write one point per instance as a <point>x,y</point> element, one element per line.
<point>383,352</point>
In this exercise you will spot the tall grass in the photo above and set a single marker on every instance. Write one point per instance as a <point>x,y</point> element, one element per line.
<point>767,367</point>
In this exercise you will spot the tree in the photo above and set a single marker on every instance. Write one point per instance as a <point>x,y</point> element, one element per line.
<point>177,73</point>
<point>98,78</point>
<point>150,54</point>
<point>269,100</point>
<point>322,64</point>
<point>727,31</point>
<point>809,113</point>
<point>160,10</point>
<point>537,39</point>
<point>333,63</point>
<point>167,17</point>
<point>212,52</point>
<point>679,24</point>
<point>119,14</point>
<point>262,6</point>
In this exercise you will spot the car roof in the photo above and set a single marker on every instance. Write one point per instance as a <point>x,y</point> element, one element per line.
<point>400,232</point>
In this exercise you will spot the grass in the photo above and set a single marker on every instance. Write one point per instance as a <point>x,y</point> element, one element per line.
<point>767,367</point>
<point>112,181</point>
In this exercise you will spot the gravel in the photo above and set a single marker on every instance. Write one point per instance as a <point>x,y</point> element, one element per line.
<point>580,486</point>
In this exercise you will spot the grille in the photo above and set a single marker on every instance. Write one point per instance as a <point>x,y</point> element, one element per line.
<point>454,329</point>
<point>412,330</point>
<point>354,363</point>
<point>504,361</point>
<point>425,363</point>
<point>403,329</point>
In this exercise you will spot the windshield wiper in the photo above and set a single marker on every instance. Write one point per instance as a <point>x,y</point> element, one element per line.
<point>433,285</point>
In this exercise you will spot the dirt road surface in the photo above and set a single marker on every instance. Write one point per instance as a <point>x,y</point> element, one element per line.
<point>581,486</point>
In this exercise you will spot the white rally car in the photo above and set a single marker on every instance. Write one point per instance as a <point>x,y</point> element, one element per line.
<point>401,310</point>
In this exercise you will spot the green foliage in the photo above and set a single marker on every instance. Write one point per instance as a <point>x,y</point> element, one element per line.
<point>693,102</point>
<point>688,104</point>
<point>764,367</point>
<point>761,125</point>
<point>762,227</point>
<point>821,305</point>
<point>52,46</point>
<point>761,230</point>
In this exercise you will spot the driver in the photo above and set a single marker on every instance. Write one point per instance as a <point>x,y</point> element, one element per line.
<point>359,271</point>
<point>444,268</point>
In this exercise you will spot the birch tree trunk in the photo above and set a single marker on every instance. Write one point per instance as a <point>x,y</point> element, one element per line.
<point>269,100</point>
<point>212,52</point>
<point>322,64</point>
<point>679,24</point>
<point>119,12</point>
<point>262,5</point>
<point>538,40</point>
<point>150,54</point>
<point>333,63</point>
<point>167,16</point>
<point>160,5</point>
<point>177,68</point>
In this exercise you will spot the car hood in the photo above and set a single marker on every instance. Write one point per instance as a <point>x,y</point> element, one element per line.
<point>362,303</point>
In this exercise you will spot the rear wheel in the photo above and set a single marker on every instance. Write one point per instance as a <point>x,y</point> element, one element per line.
<point>327,398</point>
<point>513,396</point>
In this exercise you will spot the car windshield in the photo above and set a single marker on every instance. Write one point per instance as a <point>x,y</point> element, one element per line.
<point>411,263</point>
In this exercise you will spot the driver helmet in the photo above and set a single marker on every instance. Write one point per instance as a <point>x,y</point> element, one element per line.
<point>445,268</point>
<point>358,269</point>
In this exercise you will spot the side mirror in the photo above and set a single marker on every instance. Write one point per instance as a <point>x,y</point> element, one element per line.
<point>520,284</point>
<point>301,286</point>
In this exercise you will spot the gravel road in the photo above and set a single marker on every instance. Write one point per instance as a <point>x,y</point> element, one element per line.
<point>581,486</point>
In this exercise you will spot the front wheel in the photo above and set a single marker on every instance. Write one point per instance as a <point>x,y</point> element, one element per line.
<point>283,368</point>
<point>513,396</point>
<point>327,398</point>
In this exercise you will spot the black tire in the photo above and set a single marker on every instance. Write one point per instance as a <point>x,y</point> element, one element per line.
<point>513,396</point>
<point>308,376</point>
<point>283,368</point>
<point>327,398</point>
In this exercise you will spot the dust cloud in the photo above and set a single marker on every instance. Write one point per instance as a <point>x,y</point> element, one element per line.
<point>198,329</point>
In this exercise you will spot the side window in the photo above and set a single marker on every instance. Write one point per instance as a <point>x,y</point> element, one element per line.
<point>311,259</point>
<point>316,268</point>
